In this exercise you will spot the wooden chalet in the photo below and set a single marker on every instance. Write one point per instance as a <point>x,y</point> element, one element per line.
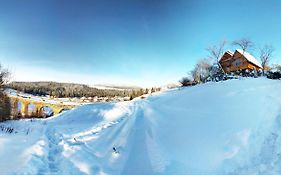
<point>238,60</point>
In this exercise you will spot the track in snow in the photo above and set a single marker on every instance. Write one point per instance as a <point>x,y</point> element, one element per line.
<point>54,150</point>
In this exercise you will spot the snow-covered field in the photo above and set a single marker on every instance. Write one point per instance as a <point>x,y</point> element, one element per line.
<point>65,101</point>
<point>231,127</point>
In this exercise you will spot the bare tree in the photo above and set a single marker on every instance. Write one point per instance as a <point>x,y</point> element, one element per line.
<point>244,44</point>
<point>185,81</point>
<point>201,71</point>
<point>216,52</point>
<point>5,107</point>
<point>4,76</point>
<point>277,67</point>
<point>265,56</point>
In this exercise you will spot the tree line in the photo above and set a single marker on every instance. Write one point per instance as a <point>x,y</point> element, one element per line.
<point>209,68</point>
<point>63,90</point>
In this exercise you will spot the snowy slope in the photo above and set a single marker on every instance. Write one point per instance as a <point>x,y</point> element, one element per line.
<point>231,127</point>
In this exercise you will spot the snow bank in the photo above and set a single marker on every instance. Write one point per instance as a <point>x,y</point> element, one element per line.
<point>231,127</point>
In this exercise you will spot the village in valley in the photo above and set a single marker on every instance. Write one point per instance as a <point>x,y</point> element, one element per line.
<point>24,105</point>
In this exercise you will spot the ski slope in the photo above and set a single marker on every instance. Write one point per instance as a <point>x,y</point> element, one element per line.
<point>231,127</point>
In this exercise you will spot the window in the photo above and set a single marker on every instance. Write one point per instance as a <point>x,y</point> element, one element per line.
<point>237,63</point>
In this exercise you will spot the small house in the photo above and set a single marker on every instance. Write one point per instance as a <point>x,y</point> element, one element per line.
<point>239,60</point>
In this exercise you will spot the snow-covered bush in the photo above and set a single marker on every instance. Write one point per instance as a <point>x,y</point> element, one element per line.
<point>185,81</point>
<point>274,75</point>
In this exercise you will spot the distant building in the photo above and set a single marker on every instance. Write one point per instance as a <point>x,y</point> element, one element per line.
<point>239,60</point>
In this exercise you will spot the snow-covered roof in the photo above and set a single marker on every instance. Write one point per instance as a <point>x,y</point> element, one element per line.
<point>249,57</point>
<point>228,52</point>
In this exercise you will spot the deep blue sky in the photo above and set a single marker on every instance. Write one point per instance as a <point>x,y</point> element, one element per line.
<point>139,42</point>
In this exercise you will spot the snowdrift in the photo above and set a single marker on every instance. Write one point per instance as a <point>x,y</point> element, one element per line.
<point>231,127</point>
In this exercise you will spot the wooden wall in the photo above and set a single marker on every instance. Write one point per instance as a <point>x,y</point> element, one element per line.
<point>236,63</point>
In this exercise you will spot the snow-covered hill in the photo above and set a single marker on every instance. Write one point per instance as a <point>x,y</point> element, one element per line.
<point>231,127</point>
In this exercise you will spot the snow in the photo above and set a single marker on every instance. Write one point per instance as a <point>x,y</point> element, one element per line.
<point>231,127</point>
<point>64,101</point>
<point>249,57</point>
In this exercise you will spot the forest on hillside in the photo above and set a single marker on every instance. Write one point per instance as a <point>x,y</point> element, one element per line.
<point>65,89</point>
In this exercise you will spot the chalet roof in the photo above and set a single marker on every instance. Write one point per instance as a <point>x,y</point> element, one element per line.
<point>227,52</point>
<point>249,57</point>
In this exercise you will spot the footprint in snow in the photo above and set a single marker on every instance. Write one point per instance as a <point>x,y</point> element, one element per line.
<point>115,151</point>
